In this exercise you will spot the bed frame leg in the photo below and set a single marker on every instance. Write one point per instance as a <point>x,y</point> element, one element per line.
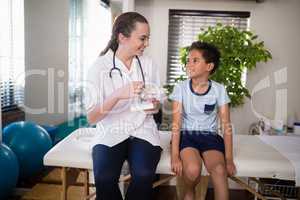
<point>64,183</point>
<point>86,183</point>
<point>162,180</point>
<point>201,188</point>
<point>180,189</point>
<point>247,187</point>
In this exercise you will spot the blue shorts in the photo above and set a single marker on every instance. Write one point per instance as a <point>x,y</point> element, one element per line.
<point>202,141</point>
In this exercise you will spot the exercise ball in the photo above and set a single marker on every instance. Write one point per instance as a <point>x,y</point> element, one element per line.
<point>30,142</point>
<point>9,171</point>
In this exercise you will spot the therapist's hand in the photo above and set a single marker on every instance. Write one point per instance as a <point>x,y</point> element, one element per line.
<point>156,104</point>
<point>230,166</point>
<point>129,90</point>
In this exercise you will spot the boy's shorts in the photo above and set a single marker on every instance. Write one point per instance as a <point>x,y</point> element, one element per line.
<point>202,141</point>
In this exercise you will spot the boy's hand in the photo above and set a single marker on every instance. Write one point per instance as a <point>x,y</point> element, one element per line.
<point>176,166</point>
<point>230,166</point>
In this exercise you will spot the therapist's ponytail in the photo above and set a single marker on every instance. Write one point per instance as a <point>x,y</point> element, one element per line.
<point>125,24</point>
<point>112,44</point>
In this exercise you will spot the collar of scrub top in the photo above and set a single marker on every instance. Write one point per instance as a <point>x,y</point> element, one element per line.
<point>119,70</point>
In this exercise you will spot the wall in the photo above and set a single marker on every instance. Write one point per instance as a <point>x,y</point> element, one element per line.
<point>128,5</point>
<point>46,57</point>
<point>46,53</point>
<point>275,21</point>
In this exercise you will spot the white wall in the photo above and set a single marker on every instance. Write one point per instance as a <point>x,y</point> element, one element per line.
<point>275,21</point>
<point>128,5</point>
<point>46,46</point>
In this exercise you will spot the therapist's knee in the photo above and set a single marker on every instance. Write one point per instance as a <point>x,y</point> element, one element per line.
<point>104,178</point>
<point>143,175</point>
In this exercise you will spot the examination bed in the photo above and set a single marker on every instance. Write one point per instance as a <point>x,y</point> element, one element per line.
<point>252,155</point>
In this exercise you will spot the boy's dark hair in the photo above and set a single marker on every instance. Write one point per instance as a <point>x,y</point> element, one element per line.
<point>210,53</point>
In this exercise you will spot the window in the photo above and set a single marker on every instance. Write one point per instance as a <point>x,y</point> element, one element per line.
<point>89,31</point>
<point>12,54</point>
<point>185,25</point>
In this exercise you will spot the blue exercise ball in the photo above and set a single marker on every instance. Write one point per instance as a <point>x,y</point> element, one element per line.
<point>9,171</point>
<point>30,142</point>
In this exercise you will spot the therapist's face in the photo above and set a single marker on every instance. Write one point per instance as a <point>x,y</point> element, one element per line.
<point>138,39</point>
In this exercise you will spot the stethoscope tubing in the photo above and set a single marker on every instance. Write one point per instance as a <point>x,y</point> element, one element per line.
<point>119,70</point>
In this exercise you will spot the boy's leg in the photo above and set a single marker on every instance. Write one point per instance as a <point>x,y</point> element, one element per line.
<point>192,164</point>
<point>143,158</point>
<point>107,164</point>
<point>215,165</point>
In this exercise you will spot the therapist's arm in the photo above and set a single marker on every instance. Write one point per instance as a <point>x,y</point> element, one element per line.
<point>99,111</point>
<point>226,128</point>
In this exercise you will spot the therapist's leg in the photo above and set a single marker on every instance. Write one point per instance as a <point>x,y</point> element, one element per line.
<point>143,159</point>
<point>107,164</point>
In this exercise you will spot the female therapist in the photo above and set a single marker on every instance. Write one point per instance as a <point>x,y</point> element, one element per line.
<point>116,78</point>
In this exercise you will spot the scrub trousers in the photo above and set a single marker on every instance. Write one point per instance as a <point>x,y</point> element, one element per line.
<point>142,158</point>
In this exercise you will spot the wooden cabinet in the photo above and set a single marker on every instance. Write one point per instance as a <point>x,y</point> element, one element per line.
<point>12,116</point>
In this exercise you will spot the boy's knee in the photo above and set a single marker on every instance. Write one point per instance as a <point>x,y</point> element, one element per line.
<point>218,170</point>
<point>192,172</point>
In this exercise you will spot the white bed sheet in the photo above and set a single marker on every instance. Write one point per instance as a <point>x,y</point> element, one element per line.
<point>253,158</point>
<point>289,147</point>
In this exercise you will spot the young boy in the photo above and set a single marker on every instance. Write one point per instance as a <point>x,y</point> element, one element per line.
<point>197,104</point>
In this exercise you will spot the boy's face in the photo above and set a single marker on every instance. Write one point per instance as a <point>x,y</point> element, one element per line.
<point>197,66</point>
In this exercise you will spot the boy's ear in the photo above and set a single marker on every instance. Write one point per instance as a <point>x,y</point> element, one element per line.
<point>210,66</point>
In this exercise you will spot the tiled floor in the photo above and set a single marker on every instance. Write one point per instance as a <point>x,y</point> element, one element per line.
<point>40,191</point>
<point>52,192</point>
<point>169,193</point>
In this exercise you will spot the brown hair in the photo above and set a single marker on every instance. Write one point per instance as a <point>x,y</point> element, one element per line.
<point>125,24</point>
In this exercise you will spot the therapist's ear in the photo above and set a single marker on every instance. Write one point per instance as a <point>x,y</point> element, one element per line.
<point>122,38</point>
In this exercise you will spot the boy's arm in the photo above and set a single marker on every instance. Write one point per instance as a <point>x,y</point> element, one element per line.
<point>176,125</point>
<point>226,128</point>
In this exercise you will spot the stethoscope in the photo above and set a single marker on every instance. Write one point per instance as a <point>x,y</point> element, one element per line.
<point>119,70</point>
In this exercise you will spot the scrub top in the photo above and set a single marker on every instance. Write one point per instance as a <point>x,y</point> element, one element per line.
<point>120,123</point>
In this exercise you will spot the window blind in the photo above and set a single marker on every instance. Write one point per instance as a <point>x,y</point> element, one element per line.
<point>76,36</point>
<point>185,25</point>
<point>89,32</point>
<point>12,54</point>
